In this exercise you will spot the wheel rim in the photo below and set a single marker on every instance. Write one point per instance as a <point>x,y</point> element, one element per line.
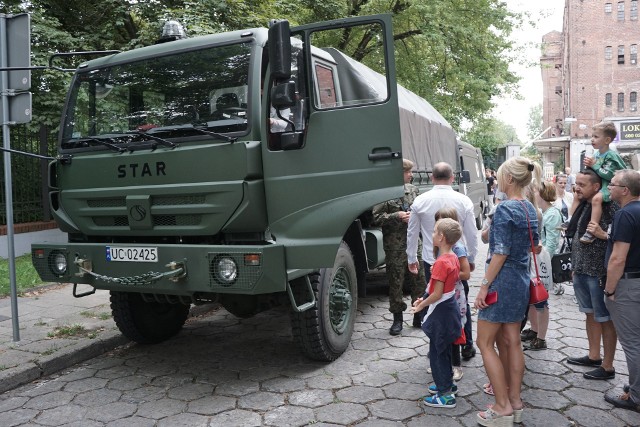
<point>340,301</point>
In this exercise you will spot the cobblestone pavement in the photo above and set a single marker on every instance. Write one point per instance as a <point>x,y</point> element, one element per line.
<point>224,371</point>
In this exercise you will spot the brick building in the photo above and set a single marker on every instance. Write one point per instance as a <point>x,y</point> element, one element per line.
<point>590,72</point>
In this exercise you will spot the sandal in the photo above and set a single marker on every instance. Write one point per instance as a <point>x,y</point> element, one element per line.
<point>517,414</point>
<point>491,418</point>
<point>488,389</point>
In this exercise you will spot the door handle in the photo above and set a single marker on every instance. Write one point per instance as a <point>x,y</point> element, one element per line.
<point>384,156</point>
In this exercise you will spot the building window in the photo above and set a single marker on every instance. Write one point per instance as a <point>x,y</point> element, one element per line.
<point>608,8</point>
<point>607,99</point>
<point>608,52</point>
<point>620,11</point>
<point>621,101</point>
<point>633,54</point>
<point>633,101</point>
<point>633,14</point>
<point>621,54</point>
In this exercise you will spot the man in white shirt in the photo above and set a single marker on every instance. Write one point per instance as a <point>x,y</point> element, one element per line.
<point>423,213</point>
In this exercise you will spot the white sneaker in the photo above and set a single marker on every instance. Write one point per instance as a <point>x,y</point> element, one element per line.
<point>457,373</point>
<point>428,370</point>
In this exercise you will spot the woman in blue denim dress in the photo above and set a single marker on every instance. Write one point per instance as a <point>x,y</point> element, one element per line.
<point>508,275</point>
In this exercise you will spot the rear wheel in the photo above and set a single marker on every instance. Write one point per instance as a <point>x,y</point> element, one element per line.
<point>147,322</point>
<point>324,331</point>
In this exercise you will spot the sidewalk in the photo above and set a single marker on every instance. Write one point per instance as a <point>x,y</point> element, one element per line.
<point>56,332</point>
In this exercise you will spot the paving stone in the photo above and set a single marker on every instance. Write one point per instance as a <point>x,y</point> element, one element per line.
<point>396,353</point>
<point>341,413</point>
<point>50,400</point>
<point>128,383</point>
<point>190,391</point>
<point>184,420</point>
<point>326,382</point>
<point>16,417</point>
<point>545,382</point>
<point>161,408</point>
<point>544,399</point>
<point>436,420</point>
<point>97,397</point>
<point>408,342</point>
<point>394,409</point>
<point>116,372</point>
<point>405,391</point>
<point>369,344</point>
<point>236,418</point>
<point>590,417</point>
<point>212,405</point>
<point>132,422</point>
<point>84,385</point>
<point>143,394</point>
<point>544,367</point>
<point>237,388</point>
<point>61,415</point>
<point>380,423</point>
<point>284,384</point>
<point>261,401</point>
<point>344,367</point>
<point>289,416</point>
<point>41,387</point>
<point>311,398</point>
<point>360,394</point>
<point>374,379</point>
<point>111,412</point>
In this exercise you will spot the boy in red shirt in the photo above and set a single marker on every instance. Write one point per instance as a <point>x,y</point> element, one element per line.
<point>442,323</point>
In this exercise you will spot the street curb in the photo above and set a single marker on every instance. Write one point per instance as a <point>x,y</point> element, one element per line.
<point>64,358</point>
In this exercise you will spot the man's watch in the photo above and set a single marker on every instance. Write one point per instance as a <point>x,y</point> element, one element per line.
<point>607,293</point>
<point>484,282</point>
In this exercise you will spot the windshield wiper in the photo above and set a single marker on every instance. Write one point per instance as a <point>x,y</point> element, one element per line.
<point>215,134</point>
<point>163,141</point>
<point>101,142</point>
<point>191,128</point>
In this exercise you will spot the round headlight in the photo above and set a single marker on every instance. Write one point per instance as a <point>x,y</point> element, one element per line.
<point>58,263</point>
<point>226,270</point>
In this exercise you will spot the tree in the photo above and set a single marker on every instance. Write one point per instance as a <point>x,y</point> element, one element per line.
<point>534,124</point>
<point>490,134</point>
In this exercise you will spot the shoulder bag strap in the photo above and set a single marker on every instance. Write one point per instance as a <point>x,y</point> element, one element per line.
<point>533,249</point>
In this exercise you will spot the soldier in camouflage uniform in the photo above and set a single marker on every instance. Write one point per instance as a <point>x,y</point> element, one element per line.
<point>393,217</point>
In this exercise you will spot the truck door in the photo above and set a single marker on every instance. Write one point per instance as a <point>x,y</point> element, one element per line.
<point>340,151</point>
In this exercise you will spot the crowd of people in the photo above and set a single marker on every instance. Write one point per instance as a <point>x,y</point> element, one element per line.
<point>431,239</point>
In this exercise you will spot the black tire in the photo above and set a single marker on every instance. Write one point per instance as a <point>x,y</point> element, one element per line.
<point>146,322</point>
<point>323,332</point>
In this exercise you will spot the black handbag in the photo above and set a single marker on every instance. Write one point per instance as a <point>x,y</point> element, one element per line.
<point>561,263</point>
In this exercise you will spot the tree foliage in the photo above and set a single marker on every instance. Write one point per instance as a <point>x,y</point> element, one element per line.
<point>454,53</point>
<point>490,134</point>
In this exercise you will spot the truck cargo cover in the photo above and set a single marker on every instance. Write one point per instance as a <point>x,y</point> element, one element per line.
<point>427,138</point>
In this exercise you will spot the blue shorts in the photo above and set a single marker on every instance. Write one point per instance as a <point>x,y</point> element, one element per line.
<point>541,305</point>
<point>590,297</point>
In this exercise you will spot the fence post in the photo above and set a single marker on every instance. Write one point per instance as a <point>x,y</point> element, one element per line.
<point>44,173</point>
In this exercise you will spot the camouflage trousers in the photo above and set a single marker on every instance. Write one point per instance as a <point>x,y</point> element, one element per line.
<point>397,273</point>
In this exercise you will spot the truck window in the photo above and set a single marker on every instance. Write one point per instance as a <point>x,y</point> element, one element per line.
<point>340,79</point>
<point>157,92</point>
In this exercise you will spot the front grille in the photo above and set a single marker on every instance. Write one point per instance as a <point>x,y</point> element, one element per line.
<point>177,200</point>
<point>115,202</point>
<point>111,221</point>
<point>166,220</point>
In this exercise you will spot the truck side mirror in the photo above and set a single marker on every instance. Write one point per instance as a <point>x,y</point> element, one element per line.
<point>284,95</point>
<point>280,50</point>
<point>465,177</point>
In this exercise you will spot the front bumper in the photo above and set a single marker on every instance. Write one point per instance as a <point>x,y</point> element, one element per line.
<point>179,269</point>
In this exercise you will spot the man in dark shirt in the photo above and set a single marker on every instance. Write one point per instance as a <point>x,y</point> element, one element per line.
<point>587,263</point>
<point>623,281</point>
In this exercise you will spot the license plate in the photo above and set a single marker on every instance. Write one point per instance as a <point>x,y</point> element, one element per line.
<point>132,253</point>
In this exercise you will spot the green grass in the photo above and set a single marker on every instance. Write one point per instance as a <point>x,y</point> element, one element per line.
<point>69,331</point>
<point>26,276</point>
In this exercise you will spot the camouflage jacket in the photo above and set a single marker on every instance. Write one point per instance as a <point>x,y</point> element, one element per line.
<point>385,215</point>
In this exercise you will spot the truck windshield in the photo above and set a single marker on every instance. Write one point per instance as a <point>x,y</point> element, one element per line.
<point>206,87</point>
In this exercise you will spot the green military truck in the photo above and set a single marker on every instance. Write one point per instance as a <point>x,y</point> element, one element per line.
<point>237,168</point>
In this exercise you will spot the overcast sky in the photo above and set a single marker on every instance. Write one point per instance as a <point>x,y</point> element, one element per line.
<point>516,112</point>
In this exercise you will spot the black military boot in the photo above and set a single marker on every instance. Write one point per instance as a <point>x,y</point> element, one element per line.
<point>397,324</point>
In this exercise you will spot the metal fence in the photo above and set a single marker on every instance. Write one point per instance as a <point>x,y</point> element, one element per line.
<point>28,176</point>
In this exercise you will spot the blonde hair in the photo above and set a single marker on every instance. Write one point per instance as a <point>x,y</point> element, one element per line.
<point>547,192</point>
<point>407,164</point>
<point>521,170</point>
<point>447,212</point>
<point>450,229</point>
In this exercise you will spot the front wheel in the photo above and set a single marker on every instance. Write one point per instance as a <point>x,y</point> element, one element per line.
<point>147,322</point>
<point>324,331</point>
